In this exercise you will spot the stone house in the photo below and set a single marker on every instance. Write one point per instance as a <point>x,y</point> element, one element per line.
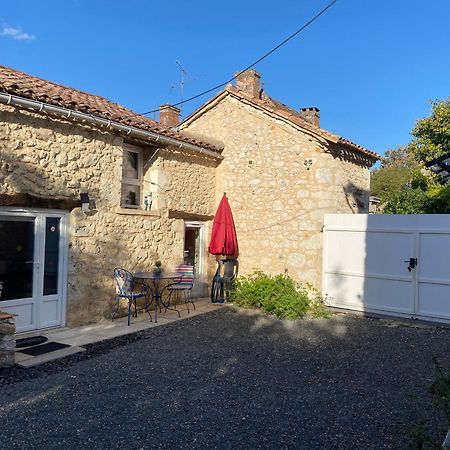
<point>77,174</point>
<point>282,173</point>
<point>59,146</point>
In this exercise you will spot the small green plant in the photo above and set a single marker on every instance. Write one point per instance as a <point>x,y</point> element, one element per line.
<point>317,304</point>
<point>279,295</point>
<point>158,267</point>
<point>430,431</point>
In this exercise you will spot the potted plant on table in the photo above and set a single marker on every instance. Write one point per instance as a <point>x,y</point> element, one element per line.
<point>158,269</point>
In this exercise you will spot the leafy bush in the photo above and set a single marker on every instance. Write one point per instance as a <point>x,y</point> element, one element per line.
<point>406,201</point>
<point>279,295</point>
<point>436,200</point>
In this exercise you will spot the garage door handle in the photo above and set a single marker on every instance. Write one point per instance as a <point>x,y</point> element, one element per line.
<point>412,263</point>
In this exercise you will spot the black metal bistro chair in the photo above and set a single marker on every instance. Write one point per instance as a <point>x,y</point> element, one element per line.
<point>128,288</point>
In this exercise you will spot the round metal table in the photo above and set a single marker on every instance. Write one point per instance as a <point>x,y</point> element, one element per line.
<point>156,278</point>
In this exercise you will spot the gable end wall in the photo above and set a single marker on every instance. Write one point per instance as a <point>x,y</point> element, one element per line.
<point>280,182</point>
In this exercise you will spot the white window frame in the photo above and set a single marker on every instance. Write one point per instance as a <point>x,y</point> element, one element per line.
<point>133,181</point>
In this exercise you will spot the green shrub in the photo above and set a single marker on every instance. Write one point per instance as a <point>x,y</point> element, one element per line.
<point>279,295</point>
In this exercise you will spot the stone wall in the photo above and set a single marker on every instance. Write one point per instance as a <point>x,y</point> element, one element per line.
<point>7,340</point>
<point>53,158</point>
<point>280,182</point>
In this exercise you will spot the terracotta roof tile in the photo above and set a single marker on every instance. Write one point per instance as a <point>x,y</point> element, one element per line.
<point>282,110</point>
<point>292,115</point>
<point>21,84</point>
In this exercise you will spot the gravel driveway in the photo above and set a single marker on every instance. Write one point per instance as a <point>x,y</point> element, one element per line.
<point>229,380</point>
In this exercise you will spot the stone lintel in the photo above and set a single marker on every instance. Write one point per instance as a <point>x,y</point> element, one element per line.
<point>31,201</point>
<point>174,214</point>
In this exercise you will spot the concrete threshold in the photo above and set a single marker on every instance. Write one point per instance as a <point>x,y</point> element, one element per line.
<point>78,337</point>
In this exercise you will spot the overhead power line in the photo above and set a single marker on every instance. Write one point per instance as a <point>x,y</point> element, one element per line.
<point>306,25</point>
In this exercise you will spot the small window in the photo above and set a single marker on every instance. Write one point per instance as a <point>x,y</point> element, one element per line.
<point>131,177</point>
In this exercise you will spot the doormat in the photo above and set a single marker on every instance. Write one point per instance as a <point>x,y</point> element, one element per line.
<point>45,348</point>
<point>30,341</point>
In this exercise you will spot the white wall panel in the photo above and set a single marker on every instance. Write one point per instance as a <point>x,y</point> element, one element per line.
<point>362,293</point>
<point>433,257</point>
<point>434,300</point>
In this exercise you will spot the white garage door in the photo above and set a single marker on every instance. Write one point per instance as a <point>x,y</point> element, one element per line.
<point>388,264</point>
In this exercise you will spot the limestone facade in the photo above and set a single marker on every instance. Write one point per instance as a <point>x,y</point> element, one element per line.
<point>58,159</point>
<point>280,180</point>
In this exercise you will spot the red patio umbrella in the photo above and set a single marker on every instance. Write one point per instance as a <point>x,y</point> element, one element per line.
<point>223,235</point>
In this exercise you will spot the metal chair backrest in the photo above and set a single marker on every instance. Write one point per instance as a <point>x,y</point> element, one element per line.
<point>186,273</point>
<point>124,281</point>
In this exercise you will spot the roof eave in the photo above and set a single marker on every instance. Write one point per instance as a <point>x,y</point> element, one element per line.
<point>319,133</point>
<point>110,125</point>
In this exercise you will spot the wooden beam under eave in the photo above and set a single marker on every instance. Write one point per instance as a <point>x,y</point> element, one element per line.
<point>31,201</point>
<point>174,214</point>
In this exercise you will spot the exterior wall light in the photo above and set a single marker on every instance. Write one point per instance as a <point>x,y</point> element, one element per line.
<point>87,204</point>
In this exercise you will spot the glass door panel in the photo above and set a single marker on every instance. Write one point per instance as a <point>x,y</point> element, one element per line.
<point>191,247</point>
<point>16,258</point>
<point>193,256</point>
<point>51,255</point>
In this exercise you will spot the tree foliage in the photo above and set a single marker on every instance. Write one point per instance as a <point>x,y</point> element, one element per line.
<point>389,180</point>
<point>402,182</point>
<point>399,170</point>
<point>399,157</point>
<point>406,201</point>
<point>431,136</point>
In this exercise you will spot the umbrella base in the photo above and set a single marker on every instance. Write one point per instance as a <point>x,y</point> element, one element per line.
<point>217,292</point>
<point>222,284</point>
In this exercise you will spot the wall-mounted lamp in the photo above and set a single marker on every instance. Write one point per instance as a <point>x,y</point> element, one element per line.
<point>87,204</point>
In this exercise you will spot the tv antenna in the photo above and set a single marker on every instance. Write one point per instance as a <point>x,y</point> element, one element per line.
<point>183,72</point>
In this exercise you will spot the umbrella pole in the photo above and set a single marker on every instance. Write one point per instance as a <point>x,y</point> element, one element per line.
<point>217,294</point>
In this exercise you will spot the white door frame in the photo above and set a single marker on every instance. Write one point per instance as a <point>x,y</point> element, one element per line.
<point>201,259</point>
<point>39,215</point>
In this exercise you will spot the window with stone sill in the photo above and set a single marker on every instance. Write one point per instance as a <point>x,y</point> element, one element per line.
<point>131,196</point>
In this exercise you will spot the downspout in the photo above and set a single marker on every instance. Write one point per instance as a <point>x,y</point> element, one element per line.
<point>66,113</point>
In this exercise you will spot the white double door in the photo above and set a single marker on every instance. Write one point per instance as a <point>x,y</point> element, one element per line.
<point>33,268</point>
<point>389,263</point>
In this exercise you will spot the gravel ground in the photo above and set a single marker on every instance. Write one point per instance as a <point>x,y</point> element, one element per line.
<point>229,380</point>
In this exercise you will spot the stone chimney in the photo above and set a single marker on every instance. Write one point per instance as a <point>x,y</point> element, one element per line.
<point>249,82</point>
<point>169,116</point>
<point>311,115</point>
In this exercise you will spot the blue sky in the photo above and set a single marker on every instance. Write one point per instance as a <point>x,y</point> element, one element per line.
<point>371,66</point>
